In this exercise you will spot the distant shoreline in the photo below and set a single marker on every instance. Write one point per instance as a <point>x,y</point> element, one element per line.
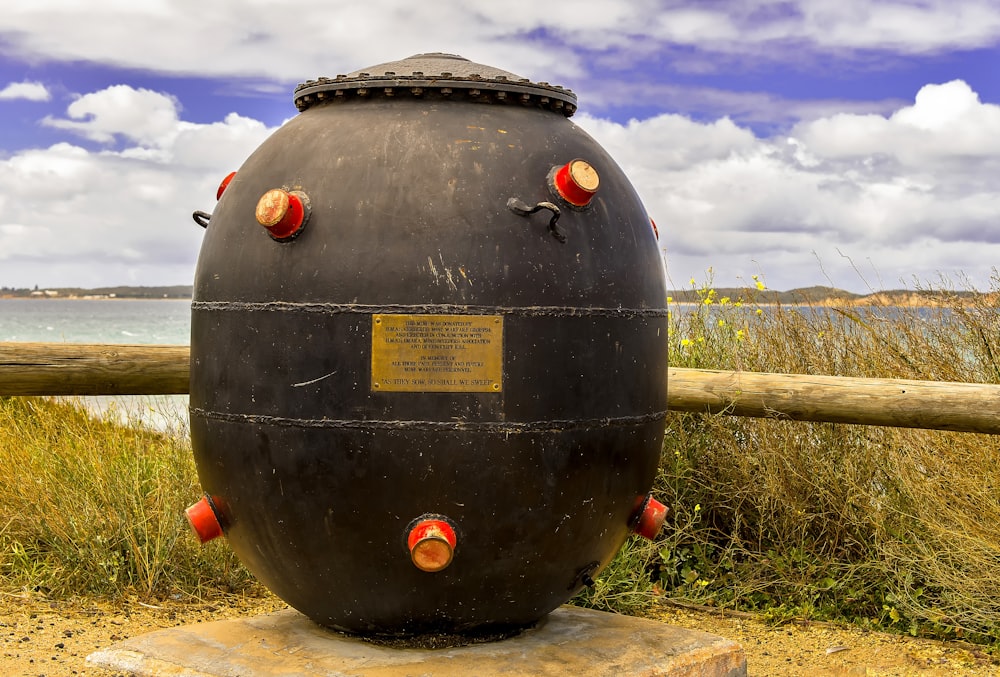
<point>94,298</point>
<point>172,292</point>
<point>808,296</point>
<point>4,297</point>
<point>11,297</point>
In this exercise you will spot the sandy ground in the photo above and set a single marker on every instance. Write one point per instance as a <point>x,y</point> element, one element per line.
<point>824,649</point>
<point>42,637</point>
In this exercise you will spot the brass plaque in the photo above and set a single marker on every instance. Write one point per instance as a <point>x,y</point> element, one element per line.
<point>437,353</point>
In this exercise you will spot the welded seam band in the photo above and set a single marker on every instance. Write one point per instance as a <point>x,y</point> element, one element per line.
<point>471,426</point>
<point>426,309</point>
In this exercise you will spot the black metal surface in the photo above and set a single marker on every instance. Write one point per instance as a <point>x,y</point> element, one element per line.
<point>318,474</point>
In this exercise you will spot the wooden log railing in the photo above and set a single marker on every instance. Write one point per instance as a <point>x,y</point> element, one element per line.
<point>92,369</point>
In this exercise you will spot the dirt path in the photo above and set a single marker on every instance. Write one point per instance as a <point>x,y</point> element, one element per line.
<point>40,637</point>
<point>824,649</point>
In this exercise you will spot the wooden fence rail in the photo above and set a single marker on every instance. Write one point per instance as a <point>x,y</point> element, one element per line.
<point>92,369</point>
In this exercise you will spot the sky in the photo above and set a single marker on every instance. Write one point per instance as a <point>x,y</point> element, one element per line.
<point>806,142</point>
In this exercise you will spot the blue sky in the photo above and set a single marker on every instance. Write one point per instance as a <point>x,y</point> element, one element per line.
<point>844,143</point>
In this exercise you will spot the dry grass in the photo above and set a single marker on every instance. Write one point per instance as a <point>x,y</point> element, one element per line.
<point>886,527</point>
<point>889,527</point>
<point>92,506</point>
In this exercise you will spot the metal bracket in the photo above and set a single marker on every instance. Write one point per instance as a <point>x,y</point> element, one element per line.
<point>522,209</point>
<point>201,218</point>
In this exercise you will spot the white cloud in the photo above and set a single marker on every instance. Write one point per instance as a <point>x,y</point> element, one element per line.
<point>535,39</point>
<point>140,115</point>
<point>945,121</point>
<point>897,189</point>
<point>30,91</point>
<point>901,25</point>
<point>99,217</point>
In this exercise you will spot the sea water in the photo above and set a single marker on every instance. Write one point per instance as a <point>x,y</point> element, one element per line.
<point>126,321</point>
<point>166,321</point>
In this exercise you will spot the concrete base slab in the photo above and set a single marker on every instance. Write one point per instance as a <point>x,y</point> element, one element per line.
<point>570,641</point>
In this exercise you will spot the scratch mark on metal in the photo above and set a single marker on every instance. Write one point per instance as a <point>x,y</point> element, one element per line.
<point>315,380</point>
<point>434,271</point>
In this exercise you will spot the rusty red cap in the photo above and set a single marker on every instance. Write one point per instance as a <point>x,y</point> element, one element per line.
<point>224,185</point>
<point>432,544</point>
<point>576,182</point>
<point>650,519</point>
<point>204,520</point>
<point>283,213</point>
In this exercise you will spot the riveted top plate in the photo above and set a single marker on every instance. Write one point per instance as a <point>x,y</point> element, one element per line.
<point>436,75</point>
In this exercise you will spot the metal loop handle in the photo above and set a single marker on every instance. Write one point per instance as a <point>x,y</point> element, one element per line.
<point>201,218</point>
<point>522,209</point>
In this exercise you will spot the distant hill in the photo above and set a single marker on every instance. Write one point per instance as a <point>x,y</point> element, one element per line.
<point>123,292</point>
<point>823,296</point>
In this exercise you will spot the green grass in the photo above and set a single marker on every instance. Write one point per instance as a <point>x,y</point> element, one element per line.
<point>895,529</point>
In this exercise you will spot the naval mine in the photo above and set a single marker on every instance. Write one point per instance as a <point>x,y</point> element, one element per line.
<point>428,353</point>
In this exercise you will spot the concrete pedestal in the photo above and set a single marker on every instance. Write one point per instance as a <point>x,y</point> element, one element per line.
<point>570,641</point>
